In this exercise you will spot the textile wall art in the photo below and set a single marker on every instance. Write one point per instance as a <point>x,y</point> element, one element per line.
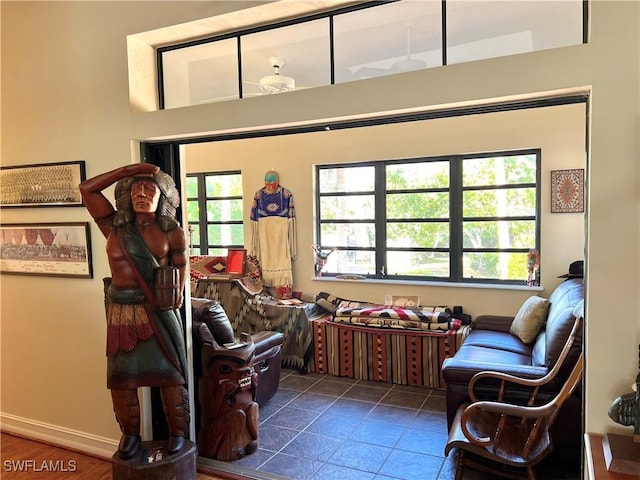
<point>567,191</point>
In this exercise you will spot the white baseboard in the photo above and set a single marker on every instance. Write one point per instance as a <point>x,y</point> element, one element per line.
<point>56,435</point>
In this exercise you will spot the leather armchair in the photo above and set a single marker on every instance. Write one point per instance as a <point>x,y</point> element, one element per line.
<point>211,321</point>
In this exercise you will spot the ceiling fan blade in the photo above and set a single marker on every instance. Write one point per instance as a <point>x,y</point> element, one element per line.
<point>244,95</point>
<point>370,72</point>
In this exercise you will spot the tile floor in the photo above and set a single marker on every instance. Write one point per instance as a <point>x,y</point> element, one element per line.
<point>321,427</point>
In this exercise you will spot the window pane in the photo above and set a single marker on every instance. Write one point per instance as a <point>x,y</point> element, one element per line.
<point>193,211</point>
<point>192,187</point>
<point>387,39</point>
<point>516,234</point>
<point>352,207</point>
<point>417,175</point>
<point>225,235</point>
<point>418,205</point>
<point>195,234</point>
<point>512,170</point>
<point>224,210</point>
<point>431,264</point>
<point>291,45</point>
<point>224,185</point>
<point>418,235</point>
<point>349,179</point>
<point>348,234</point>
<point>351,261</point>
<point>480,29</point>
<point>495,266</point>
<point>192,75</point>
<point>499,203</point>
<point>492,199</point>
<point>227,213</point>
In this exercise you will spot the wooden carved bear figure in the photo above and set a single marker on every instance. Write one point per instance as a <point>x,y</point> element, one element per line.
<point>227,392</point>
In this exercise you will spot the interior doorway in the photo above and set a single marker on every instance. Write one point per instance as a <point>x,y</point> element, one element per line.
<point>169,155</point>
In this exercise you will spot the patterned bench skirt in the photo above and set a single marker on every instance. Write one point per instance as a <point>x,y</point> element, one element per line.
<point>404,357</point>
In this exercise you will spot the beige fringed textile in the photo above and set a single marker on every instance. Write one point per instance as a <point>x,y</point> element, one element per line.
<point>273,245</point>
<point>273,235</point>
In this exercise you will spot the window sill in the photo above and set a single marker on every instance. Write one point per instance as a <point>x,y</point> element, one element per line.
<point>430,284</point>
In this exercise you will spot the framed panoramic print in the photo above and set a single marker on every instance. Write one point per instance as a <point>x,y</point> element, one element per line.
<point>48,249</point>
<point>42,185</point>
<point>567,191</point>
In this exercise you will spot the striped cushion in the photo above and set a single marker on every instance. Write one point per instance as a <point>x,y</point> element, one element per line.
<point>385,316</point>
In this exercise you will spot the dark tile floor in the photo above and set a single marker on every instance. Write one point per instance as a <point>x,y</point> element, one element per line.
<point>321,427</point>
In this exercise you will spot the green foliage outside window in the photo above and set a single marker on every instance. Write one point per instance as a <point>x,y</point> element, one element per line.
<point>214,206</point>
<point>488,202</point>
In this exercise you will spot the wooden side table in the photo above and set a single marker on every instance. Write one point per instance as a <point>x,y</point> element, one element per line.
<point>595,463</point>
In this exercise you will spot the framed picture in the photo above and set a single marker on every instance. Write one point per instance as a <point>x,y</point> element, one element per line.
<point>48,249</point>
<point>403,301</point>
<point>42,185</point>
<point>567,191</point>
<point>235,261</point>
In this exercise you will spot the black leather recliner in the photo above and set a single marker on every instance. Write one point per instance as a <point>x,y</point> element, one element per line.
<point>211,321</point>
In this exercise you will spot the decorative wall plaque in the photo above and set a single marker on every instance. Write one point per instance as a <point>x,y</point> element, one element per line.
<point>567,191</point>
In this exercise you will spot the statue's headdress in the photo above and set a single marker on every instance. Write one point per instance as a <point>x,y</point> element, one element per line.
<point>167,204</point>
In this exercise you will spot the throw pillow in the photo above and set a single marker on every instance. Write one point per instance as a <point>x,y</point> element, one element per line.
<point>530,319</point>
<point>578,310</point>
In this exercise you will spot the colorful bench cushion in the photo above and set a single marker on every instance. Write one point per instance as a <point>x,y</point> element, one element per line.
<point>366,314</point>
<point>386,316</point>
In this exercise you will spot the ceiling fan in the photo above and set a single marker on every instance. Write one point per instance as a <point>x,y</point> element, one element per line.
<point>268,84</point>
<point>276,83</point>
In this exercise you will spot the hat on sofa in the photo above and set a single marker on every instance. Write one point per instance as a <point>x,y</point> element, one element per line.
<point>576,270</point>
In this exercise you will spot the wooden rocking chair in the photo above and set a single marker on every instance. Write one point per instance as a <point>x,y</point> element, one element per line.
<point>506,434</point>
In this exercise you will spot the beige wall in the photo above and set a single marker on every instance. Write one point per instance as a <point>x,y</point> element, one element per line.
<point>559,131</point>
<point>65,97</point>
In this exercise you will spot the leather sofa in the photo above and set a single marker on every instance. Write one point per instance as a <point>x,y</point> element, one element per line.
<point>491,346</point>
<point>210,321</point>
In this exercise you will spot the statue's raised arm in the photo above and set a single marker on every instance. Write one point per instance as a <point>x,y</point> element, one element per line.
<point>96,203</point>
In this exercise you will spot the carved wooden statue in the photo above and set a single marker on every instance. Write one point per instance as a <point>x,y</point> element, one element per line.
<point>625,409</point>
<point>227,392</point>
<point>145,335</point>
